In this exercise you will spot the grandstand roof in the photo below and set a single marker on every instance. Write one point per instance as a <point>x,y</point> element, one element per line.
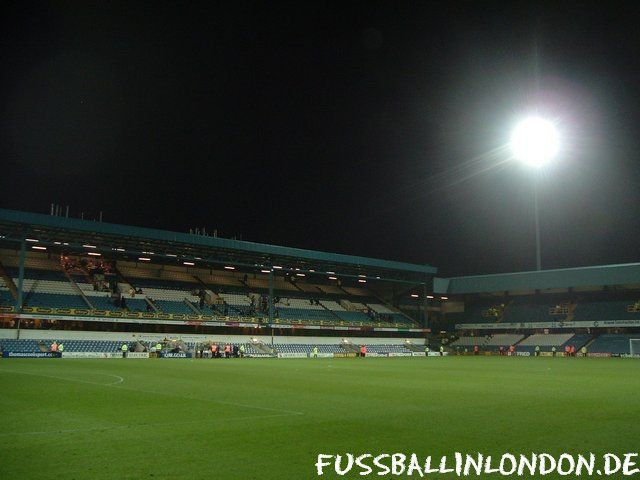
<point>624,275</point>
<point>72,235</point>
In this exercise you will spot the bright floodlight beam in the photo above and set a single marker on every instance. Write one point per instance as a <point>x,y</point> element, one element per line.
<point>535,141</point>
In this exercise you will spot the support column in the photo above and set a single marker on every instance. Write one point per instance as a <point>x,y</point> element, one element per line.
<point>537,218</point>
<point>425,305</point>
<point>23,250</point>
<point>271,297</point>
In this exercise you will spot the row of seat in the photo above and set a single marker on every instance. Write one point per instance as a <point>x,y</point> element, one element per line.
<point>520,311</point>
<point>606,343</point>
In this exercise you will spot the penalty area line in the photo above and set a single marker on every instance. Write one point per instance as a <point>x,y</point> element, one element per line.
<point>118,378</point>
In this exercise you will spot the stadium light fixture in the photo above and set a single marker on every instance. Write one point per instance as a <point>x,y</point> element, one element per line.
<point>333,278</point>
<point>444,298</point>
<point>535,141</point>
<point>94,254</point>
<point>93,246</point>
<point>190,264</point>
<point>362,281</point>
<point>171,255</point>
<point>414,295</point>
<point>33,240</point>
<point>120,249</point>
<point>229,267</point>
<point>300,275</point>
<point>429,296</point>
<point>265,271</point>
<point>277,267</point>
<point>144,259</point>
<point>38,247</point>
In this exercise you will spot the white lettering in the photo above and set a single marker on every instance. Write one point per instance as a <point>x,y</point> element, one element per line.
<point>338,464</point>
<point>487,466</point>
<point>530,464</point>
<point>427,467</point>
<point>384,470</point>
<point>608,469</point>
<point>366,468</point>
<point>512,459</point>
<point>628,464</point>
<point>544,458</point>
<point>570,460</point>
<point>471,462</point>
<point>397,463</point>
<point>443,466</point>
<point>588,465</point>
<point>458,456</point>
<point>414,465</point>
<point>320,463</point>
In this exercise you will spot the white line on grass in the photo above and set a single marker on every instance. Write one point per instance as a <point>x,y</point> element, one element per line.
<point>118,377</point>
<point>117,384</point>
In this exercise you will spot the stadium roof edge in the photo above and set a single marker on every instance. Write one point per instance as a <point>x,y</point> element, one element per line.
<point>38,219</point>
<point>599,275</point>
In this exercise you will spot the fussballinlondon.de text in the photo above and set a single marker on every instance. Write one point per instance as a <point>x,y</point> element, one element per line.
<point>464,465</point>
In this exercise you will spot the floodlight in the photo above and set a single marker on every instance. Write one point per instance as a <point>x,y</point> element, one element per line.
<point>535,141</point>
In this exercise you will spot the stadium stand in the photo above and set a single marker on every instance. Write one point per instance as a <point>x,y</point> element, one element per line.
<point>545,341</point>
<point>499,339</point>
<point>196,285</point>
<point>612,343</point>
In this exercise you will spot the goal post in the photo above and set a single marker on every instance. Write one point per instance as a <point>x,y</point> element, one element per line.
<point>634,346</point>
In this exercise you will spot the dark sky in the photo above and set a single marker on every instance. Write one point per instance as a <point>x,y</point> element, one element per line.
<point>371,128</point>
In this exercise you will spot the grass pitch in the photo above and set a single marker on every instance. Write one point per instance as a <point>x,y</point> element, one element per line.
<point>269,419</point>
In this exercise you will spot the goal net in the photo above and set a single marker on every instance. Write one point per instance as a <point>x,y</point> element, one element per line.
<point>634,346</point>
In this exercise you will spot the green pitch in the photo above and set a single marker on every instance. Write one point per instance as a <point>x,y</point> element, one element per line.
<point>269,419</point>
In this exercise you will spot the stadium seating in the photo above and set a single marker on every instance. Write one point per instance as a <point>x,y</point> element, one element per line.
<point>34,346</point>
<point>579,340</point>
<point>51,300</point>
<point>604,310</point>
<point>384,349</point>
<point>499,339</point>
<point>545,341</point>
<point>612,343</point>
<point>173,292</point>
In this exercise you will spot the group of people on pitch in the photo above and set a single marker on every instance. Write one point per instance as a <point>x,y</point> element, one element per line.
<point>228,351</point>
<point>56,347</point>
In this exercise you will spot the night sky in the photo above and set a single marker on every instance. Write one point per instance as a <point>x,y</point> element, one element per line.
<point>370,128</point>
